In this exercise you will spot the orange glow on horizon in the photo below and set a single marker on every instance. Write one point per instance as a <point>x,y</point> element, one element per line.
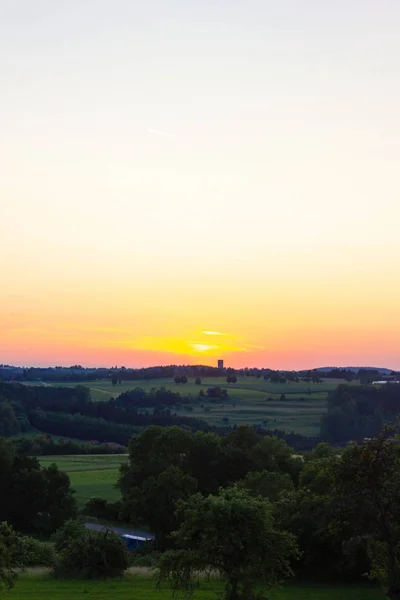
<point>172,194</point>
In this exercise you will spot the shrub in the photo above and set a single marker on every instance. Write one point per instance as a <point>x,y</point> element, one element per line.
<point>145,556</point>
<point>10,556</point>
<point>89,554</point>
<point>101,509</point>
<point>68,534</point>
<point>35,553</point>
<point>148,560</point>
<point>95,507</point>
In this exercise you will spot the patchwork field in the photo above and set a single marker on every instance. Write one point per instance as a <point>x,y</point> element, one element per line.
<point>246,387</point>
<point>139,587</point>
<point>90,475</point>
<point>290,406</point>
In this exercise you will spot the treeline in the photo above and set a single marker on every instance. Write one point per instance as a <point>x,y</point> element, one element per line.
<point>343,509</point>
<point>357,412</point>
<point>297,441</point>
<point>87,428</point>
<point>81,427</point>
<point>77,373</point>
<point>345,374</point>
<point>74,373</point>
<point>70,412</point>
<point>43,444</point>
<point>156,397</point>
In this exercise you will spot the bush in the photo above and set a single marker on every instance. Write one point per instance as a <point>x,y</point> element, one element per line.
<point>145,556</point>
<point>10,556</point>
<point>101,509</point>
<point>95,507</point>
<point>89,554</point>
<point>139,560</point>
<point>34,553</point>
<point>68,534</point>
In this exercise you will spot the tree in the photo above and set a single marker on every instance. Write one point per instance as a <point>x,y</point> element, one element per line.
<point>366,485</point>
<point>266,484</point>
<point>89,554</point>
<point>10,556</point>
<point>33,498</point>
<point>234,535</point>
<point>8,421</point>
<point>197,381</point>
<point>274,455</point>
<point>155,502</point>
<point>231,379</point>
<point>114,380</point>
<point>309,512</point>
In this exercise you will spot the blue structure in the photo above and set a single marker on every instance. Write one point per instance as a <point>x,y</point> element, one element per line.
<point>134,541</point>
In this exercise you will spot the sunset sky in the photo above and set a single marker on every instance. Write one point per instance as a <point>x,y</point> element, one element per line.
<point>182,181</point>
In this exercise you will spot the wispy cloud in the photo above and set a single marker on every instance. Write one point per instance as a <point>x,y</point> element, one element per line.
<point>159,132</point>
<point>213,333</point>
<point>198,347</point>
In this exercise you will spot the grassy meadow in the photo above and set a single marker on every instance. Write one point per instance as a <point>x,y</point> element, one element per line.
<point>90,475</point>
<point>251,400</point>
<point>138,587</point>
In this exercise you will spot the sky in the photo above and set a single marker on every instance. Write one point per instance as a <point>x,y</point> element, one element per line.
<point>183,181</point>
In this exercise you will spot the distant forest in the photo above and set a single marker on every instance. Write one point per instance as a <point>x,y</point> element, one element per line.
<point>79,374</point>
<point>357,412</point>
<point>354,412</point>
<point>69,412</point>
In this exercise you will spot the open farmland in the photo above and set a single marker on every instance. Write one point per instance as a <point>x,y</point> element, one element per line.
<point>246,388</point>
<point>90,475</point>
<point>137,587</point>
<point>251,400</point>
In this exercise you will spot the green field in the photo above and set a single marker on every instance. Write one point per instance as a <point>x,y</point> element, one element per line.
<point>251,400</point>
<point>90,475</point>
<point>136,587</point>
<point>245,388</point>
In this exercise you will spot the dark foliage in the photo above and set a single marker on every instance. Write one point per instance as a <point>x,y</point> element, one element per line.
<point>169,464</point>
<point>33,498</point>
<point>44,445</point>
<point>357,412</point>
<point>90,555</point>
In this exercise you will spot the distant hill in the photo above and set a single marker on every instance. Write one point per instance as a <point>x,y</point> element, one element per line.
<point>381,370</point>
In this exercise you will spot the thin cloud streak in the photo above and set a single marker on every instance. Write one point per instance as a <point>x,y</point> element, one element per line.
<point>160,133</point>
<point>213,333</point>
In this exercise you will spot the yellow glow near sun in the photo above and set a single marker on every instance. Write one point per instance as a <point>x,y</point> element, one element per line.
<point>185,346</point>
<point>197,347</point>
<point>213,333</point>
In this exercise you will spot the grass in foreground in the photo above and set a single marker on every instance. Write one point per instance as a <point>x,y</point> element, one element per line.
<point>134,587</point>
